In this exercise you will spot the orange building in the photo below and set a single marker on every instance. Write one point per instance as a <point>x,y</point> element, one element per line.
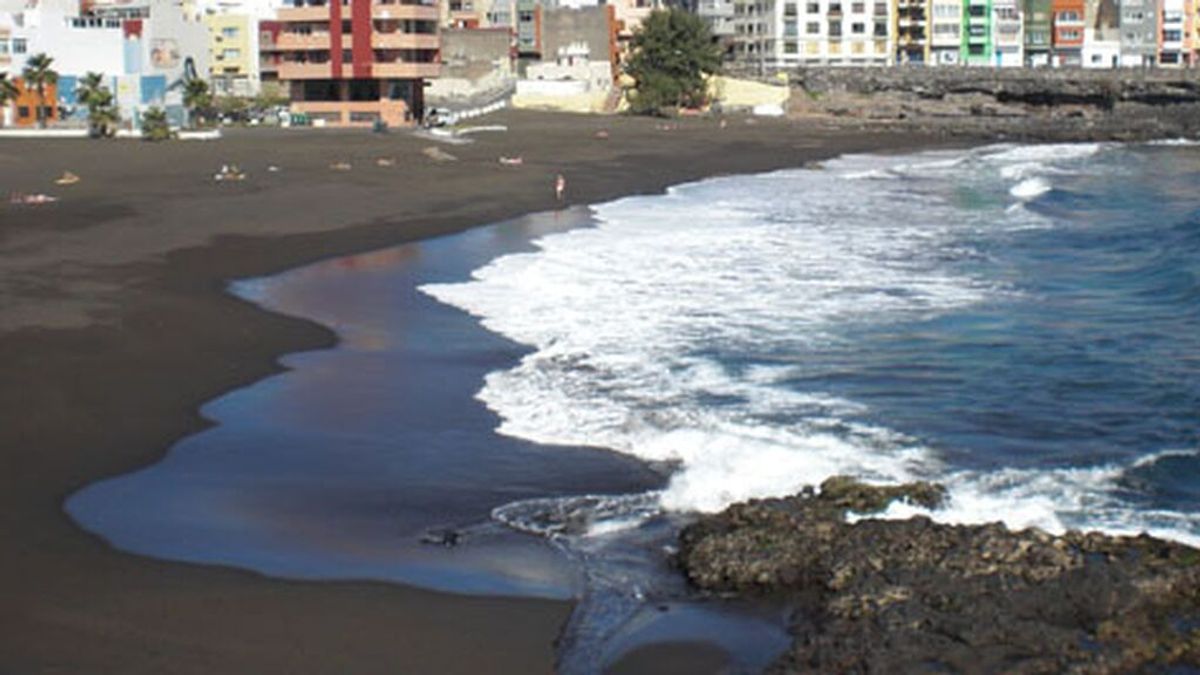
<point>358,62</point>
<point>23,110</point>
<point>1067,19</point>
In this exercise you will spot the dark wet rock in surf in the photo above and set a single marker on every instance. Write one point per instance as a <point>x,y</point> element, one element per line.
<point>915,595</point>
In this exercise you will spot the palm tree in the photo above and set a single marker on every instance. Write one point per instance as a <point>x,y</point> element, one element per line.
<point>196,97</point>
<point>8,92</point>
<point>99,101</point>
<point>154,125</point>
<point>40,75</point>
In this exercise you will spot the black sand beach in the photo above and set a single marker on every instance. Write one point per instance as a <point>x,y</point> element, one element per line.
<point>115,327</point>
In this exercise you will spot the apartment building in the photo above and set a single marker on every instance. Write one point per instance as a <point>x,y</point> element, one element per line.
<point>1008,35</point>
<point>1038,32</point>
<point>1175,47</point>
<point>233,54</point>
<point>143,48</point>
<point>1139,33</point>
<point>358,62</point>
<point>946,32</point>
<point>834,32</point>
<point>977,33</point>
<point>1067,32</point>
<point>913,38</point>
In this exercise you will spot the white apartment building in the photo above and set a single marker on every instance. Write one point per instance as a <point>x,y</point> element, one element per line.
<point>1008,35</point>
<point>832,32</point>
<point>945,32</point>
<point>143,48</point>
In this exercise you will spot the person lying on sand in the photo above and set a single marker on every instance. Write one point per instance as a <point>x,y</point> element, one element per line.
<point>33,199</point>
<point>340,166</point>
<point>386,161</point>
<point>229,172</point>
<point>512,161</point>
<point>67,178</point>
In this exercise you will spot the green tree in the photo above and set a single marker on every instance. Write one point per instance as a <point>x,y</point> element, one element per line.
<point>8,92</point>
<point>196,98</point>
<point>102,111</point>
<point>154,125</point>
<point>672,54</point>
<point>39,75</point>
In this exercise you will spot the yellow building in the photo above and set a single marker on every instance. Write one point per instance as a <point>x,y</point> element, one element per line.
<point>233,54</point>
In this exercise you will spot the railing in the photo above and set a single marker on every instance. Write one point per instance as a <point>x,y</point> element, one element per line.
<point>400,40</point>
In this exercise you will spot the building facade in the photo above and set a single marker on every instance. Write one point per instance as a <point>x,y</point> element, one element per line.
<point>144,49</point>
<point>358,62</point>
<point>1067,34</point>
<point>1008,35</point>
<point>946,32</point>
<point>233,54</point>
<point>913,38</point>
<point>1038,32</point>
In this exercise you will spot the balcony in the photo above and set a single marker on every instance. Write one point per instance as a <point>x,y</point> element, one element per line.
<point>406,70</point>
<point>290,70</point>
<point>315,41</point>
<point>399,40</point>
<point>320,13</point>
<point>395,10</point>
<point>404,11</point>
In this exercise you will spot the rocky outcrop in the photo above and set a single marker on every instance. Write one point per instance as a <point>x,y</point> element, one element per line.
<point>914,595</point>
<point>1013,103</point>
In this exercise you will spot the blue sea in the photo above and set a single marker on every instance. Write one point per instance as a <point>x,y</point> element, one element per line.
<point>1018,322</point>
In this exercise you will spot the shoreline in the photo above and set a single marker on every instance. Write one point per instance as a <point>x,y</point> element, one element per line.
<point>122,333</point>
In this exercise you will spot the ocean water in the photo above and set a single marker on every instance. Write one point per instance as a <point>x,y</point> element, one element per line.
<point>1020,323</point>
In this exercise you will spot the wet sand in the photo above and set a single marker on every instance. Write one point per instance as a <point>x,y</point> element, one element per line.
<point>115,327</point>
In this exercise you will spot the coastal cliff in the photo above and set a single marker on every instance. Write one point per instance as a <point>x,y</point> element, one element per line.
<point>903,595</point>
<point>1067,104</point>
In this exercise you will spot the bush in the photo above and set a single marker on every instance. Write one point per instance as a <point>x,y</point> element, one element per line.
<point>154,125</point>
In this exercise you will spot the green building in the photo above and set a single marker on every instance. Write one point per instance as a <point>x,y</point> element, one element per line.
<point>977,45</point>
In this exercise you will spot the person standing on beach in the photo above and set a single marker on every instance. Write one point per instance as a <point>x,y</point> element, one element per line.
<point>560,186</point>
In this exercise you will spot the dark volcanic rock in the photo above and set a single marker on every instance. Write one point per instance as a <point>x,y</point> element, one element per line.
<point>915,595</point>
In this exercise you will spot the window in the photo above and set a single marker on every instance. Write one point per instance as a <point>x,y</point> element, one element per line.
<point>1172,35</point>
<point>231,54</point>
<point>229,32</point>
<point>881,29</point>
<point>975,50</point>
<point>3,47</point>
<point>789,29</point>
<point>858,7</point>
<point>976,11</point>
<point>789,48</point>
<point>1068,16</point>
<point>835,8</point>
<point>789,9</point>
<point>1068,35</point>
<point>812,8</point>
<point>19,46</point>
<point>881,9</point>
<point>858,28</point>
<point>1006,13</point>
<point>23,112</point>
<point>812,27</point>
<point>976,31</point>
<point>835,29</point>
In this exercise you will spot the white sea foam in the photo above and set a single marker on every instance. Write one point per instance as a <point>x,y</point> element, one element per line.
<point>1030,188</point>
<point>631,325</point>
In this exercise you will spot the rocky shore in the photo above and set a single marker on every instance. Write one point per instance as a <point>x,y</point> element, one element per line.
<point>1020,104</point>
<point>914,595</point>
